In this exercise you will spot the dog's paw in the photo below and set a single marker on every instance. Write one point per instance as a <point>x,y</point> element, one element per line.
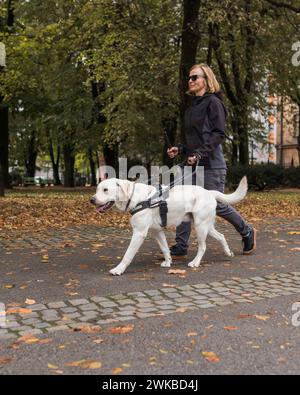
<point>194,264</point>
<point>166,264</point>
<point>116,271</point>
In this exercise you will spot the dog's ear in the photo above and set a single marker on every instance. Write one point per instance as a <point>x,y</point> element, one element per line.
<point>124,186</point>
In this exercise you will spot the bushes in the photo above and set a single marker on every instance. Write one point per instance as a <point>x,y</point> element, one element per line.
<point>264,176</point>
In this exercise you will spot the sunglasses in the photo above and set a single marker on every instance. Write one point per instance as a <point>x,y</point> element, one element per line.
<point>195,77</point>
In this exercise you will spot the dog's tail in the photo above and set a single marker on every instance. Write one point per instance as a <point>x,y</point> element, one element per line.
<point>234,197</point>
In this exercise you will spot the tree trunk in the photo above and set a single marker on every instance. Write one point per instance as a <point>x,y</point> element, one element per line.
<point>4,134</point>
<point>55,163</point>
<point>31,156</point>
<point>110,152</point>
<point>69,161</point>
<point>111,156</point>
<point>93,168</point>
<point>4,137</point>
<point>189,44</point>
<point>1,183</point>
<point>234,141</point>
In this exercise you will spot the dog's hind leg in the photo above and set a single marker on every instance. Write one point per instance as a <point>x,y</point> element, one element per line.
<point>137,240</point>
<point>221,238</point>
<point>201,231</point>
<point>163,244</point>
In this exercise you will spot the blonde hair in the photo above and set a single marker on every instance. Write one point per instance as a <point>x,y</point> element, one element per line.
<point>212,84</point>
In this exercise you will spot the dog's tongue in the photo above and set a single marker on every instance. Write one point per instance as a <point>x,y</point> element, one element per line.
<point>102,209</point>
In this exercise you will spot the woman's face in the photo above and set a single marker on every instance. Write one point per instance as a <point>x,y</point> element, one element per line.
<point>197,87</point>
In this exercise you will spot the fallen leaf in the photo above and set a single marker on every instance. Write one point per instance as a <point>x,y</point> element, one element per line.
<point>210,356</point>
<point>18,310</point>
<point>121,329</point>
<point>52,366</point>
<point>182,309</point>
<point>5,360</point>
<point>85,364</point>
<point>88,329</point>
<point>9,286</point>
<point>294,233</point>
<point>244,316</point>
<point>192,334</point>
<point>176,271</point>
<point>262,317</point>
<point>231,328</point>
<point>117,370</point>
<point>98,341</point>
<point>30,301</point>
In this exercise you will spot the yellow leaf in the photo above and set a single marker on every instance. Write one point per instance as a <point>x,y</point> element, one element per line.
<point>117,370</point>
<point>85,364</point>
<point>52,366</point>
<point>30,301</point>
<point>8,286</point>
<point>262,317</point>
<point>192,334</point>
<point>294,233</point>
<point>163,351</point>
<point>210,356</point>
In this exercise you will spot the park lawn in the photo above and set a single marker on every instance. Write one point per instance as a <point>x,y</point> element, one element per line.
<point>37,209</point>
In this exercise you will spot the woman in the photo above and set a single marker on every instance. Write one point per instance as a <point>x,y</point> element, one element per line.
<point>205,131</point>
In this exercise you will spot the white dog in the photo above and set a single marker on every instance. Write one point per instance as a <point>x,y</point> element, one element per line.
<point>185,203</point>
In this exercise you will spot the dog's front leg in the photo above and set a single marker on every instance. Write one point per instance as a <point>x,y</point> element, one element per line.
<point>163,244</point>
<point>137,240</point>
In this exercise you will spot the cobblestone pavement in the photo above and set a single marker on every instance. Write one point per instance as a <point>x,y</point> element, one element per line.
<point>76,313</point>
<point>240,308</point>
<point>84,234</point>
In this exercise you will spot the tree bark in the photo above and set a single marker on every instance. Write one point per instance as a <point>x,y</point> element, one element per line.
<point>93,168</point>
<point>69,161</point>
<point>110,152</point>
<point>31,156</point>
<point>189,44</point>
<point>4,140</point>
<point>1,183</point>
<point>55,163</point>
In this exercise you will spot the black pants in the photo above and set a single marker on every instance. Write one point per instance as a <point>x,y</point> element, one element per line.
<point>214,180</point>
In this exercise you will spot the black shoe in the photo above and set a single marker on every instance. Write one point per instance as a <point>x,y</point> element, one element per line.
<point>249,242</point>
<point>178,252</point>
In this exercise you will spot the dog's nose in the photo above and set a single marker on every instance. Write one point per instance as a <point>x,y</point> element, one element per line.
<point>93,200</point>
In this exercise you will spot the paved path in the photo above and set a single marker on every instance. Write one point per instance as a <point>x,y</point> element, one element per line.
<point>240,308</point>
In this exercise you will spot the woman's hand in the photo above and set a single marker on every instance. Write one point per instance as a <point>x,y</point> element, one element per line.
<point>191,160</point>
<point>172,152</point>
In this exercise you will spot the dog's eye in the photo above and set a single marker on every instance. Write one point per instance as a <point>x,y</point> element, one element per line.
<point>105,190</point>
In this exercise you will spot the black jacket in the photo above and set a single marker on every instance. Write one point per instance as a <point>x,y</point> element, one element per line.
<point>205,130</point>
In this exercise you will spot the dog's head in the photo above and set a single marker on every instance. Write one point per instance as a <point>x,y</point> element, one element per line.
<point>109,192</point>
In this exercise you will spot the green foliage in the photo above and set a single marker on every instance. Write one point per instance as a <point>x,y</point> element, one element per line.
<point>59,48</point>
<point>264,176</point>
